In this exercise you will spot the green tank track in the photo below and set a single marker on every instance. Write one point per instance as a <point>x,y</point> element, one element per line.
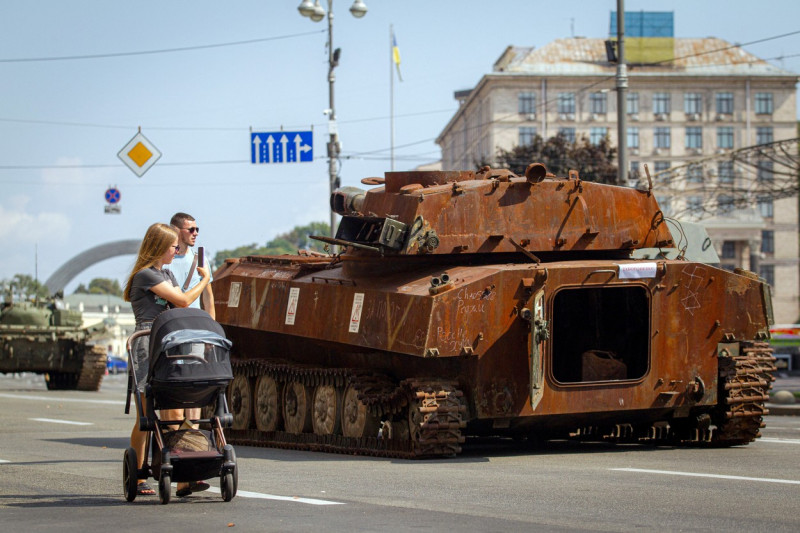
<point>435,425</point>
<point>93,369</point>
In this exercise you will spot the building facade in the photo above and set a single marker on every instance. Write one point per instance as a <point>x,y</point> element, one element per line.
<point>687,119</point>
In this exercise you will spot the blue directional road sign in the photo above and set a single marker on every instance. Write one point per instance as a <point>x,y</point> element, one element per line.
<point>281,147</point>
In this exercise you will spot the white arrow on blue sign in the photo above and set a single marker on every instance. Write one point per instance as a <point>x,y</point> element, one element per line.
<point>281,147</point>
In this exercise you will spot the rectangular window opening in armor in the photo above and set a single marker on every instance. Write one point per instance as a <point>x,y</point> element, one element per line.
<point>763,134</point>
<point>597,134</point>
<point>765,206</point>
<point>693,103</point>
<point>725,137</point>
<point>633,137</point>
<point>725,103</point>
<point>527,103</point>
<point>566,103</point>
<point>568,134</point>
<point>526,135</point>
<point>728,250</point>
<point>768,273</point>
<point>661,103</point>
<point>768,241</point>
<point>600,334</point>
<point>598,103</point>
<point>662,138</point>
<point>632,106</point>
<point>694,137</point>
<point>763,103</point>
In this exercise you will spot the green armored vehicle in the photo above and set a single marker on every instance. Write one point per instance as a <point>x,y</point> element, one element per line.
<point>39,337</point>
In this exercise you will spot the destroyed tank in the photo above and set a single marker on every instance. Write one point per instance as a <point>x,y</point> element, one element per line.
<point>485,303</point>
<point>38,337</point>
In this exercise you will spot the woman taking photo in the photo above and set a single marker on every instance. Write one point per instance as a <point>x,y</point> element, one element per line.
<point>151,290</point>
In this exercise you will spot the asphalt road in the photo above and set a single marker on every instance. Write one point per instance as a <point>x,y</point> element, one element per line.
<point>61,470</point>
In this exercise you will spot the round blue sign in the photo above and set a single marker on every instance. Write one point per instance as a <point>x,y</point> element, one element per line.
<point>112,195</point>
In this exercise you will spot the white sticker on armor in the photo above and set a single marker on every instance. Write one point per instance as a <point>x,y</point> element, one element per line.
<point>355,314</point>
<point>291,308</point>
<point>235,293</point>
<point>637,270</point>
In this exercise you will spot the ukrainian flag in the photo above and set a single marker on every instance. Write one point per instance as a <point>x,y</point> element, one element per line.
<point>396,56</point>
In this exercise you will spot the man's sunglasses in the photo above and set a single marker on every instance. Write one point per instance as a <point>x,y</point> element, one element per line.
<point>193,230</point>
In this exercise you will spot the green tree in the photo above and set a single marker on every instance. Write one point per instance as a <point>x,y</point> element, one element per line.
<point>23,287</point>
<point>594,162</point>
<point>286,243</point>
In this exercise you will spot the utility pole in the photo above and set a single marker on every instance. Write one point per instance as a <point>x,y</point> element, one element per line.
<point>622,97</point>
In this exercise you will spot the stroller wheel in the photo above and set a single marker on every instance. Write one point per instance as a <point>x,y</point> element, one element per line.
<point>129,474</point>
<point>228,488</point>
<point>164,487</point>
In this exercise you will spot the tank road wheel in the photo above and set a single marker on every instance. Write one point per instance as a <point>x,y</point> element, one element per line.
<point>296,408</point>
<point>241,398</point>
<point>129,474</point>
<point>268,404</point>
<point>357,421</point>
<point>326,413</point>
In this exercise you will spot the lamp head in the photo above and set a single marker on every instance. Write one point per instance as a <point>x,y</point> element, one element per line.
<point>358,9</point>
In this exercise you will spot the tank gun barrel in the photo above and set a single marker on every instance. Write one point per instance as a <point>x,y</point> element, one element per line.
<point>347,200</point>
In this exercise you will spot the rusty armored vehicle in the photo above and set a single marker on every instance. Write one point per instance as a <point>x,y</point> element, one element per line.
<point>39,337</point>
<point>486,303</point>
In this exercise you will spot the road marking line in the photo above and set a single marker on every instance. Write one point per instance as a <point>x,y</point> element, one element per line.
<point>52,399</point>
<point>781,441</point>
<point>4,461</point>
<point>54,421</point>
<point>258,495</point>
<point>717,476</point>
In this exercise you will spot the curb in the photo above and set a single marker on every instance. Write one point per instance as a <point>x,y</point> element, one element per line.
<point>783,409</point>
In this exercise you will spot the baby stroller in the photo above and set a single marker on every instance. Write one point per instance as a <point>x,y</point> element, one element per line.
<point>189,367</point>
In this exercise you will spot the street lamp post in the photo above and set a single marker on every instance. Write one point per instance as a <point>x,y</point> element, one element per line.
<point>316,12</point>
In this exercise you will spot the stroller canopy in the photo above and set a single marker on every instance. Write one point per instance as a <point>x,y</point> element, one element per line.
<point>178,325</point>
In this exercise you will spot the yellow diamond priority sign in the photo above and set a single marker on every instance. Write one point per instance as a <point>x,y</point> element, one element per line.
<point>139,154</point>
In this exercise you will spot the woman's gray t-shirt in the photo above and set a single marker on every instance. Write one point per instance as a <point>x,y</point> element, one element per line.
<point>147,304</point>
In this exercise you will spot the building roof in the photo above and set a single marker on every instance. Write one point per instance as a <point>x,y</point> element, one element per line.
<point>98,303</point>
<point>583,56</point>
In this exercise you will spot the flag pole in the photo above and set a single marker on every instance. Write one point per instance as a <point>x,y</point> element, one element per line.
<point>391,94</point>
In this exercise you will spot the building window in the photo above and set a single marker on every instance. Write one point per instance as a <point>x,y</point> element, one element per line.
<point>694,137</point>
<point>566,103</point>
<point>527,103</point>
<point>768,273</point>
<point>694,204</point>
<point>634,170</point>
<point>662,138</point>
<point>728,250</point>
<point>597,134</point>
<point>661,166</point>
<point>763,103</point>
<point>725,137</point>
<point>764,171</point>
<point>665,203</point>
<point>661,103</point>
<point>694,174</point>
<point>765,206</point>
<point>526,135</point>
<point>633,137</point>
<point>725,103</point>
<point>763,134</point>
<point>693,103</point>
<point>768,241</point>
<point>568,134</point>
<point>724,204</point>
<point>632,107</point>
<point>598,103</point>
<point>725,171</point>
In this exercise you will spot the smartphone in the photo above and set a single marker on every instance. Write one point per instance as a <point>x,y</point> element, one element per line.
<point>200,256</point>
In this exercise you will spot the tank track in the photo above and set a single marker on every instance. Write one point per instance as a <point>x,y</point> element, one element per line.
<point>745,381</point>
<point>93,369</point>
<point>421,418</point>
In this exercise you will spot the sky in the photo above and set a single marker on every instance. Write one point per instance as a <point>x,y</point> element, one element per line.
<point>198,76</point>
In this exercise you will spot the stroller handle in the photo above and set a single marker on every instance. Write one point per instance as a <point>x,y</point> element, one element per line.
<point>136,335</point>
